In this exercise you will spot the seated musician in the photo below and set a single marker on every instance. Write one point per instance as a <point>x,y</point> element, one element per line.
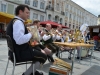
<point>39,46</point>
<point>59,34</point>
<point>20,38</point>
<point>47,39</point>
<point>64,35</point>
<point>71,39</point>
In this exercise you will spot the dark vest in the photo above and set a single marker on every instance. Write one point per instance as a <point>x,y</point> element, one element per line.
<point>58,40</point>
<point>49,40</point>
<point>22,52</point>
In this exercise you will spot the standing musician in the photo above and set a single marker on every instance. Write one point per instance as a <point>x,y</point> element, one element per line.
<point>40,46</point>
<point>47,39</point>
<point>20,39</point>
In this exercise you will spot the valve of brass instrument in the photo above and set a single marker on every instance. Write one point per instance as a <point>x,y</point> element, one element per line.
<point>28,28</point>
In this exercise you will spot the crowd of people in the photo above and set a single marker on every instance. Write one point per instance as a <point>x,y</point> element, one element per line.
<point>44,49</point>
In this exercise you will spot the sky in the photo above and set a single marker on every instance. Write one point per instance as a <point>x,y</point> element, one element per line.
<point>92,6</point>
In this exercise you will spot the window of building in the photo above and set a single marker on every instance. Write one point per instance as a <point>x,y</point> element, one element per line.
<point>35,3</point>
<point>49,17</point>
<point>65,24</point>
<point>66,13</point>
<point>27,2</point>
<point>10,9</point>
<point>56,19</point>
<point>73,26</point>
<point>70,16</point>
<point>67,6</point>
<point>3,7</point>
<point>41,18</point>
<point>42,5</point>
<point>71,8</point>
<point>74,17</point>
<point>79,27</point>
<point>60,20</point>
<point>74,9</point>
<point>57,7</point>
<point>35,16</point>
<point>69,25</point>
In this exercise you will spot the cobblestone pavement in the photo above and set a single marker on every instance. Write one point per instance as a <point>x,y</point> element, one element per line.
<point>79,68</point>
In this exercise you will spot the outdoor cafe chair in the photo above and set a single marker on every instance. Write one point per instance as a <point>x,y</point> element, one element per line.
<point>11,48</point>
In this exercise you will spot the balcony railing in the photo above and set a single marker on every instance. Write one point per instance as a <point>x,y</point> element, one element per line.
<point>62,13</point>
<point>50,8</point>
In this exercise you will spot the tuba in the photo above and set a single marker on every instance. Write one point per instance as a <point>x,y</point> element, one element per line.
<point>78,36</point>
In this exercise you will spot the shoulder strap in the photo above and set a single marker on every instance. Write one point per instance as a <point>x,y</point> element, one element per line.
<point>15,19</point>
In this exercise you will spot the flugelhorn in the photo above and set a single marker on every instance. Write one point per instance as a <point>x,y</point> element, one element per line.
<point>53,31</point>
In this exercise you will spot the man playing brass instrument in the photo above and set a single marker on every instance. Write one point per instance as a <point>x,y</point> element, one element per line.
<point>40,46</point>
<point>59,36</point>
<point>48,39</point>
<point>20,39</point>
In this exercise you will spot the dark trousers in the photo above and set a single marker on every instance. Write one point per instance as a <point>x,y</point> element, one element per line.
<point>29,55</point>
<point>39,47</point>
<point>39,56</point>
<point>54,48</point>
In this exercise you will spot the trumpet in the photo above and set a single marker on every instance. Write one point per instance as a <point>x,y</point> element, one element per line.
<point>47,32</point>
<point>57,33</point>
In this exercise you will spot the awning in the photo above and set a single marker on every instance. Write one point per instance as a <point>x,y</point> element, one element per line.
<point>6,18</point>
<point>54,24</point>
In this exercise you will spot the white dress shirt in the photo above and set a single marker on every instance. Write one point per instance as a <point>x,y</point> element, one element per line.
<point>19,32</point>
<point>69,40</point>
<point>58,37</point>
<point>46,37</point>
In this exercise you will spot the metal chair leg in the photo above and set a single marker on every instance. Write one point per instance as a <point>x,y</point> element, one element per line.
<point>26,66</point>
<point>14,64</point>
<point>33,68</point>
<point>6,67</point>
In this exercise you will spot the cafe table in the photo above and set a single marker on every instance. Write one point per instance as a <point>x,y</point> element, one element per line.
<point>74,45</point>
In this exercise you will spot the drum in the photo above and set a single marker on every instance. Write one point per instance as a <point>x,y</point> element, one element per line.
<point>84,53</point>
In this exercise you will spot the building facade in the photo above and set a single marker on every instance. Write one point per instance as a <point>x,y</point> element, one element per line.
<point>37,7</point>
<point>98,21</point>
<point>69,13</point>
<point>65,12</point>
<point>55,11</point>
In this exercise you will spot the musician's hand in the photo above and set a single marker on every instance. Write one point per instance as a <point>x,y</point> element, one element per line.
<point>56,33</point>
<point>42,33</point>
<point>28,29</point>
<point>43,51</point>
